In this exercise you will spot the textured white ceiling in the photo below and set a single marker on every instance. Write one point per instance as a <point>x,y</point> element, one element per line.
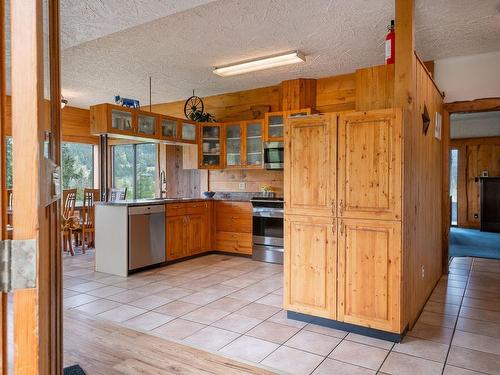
<point>473,125</point>
<point>84,20</point>
<point>112,46</point>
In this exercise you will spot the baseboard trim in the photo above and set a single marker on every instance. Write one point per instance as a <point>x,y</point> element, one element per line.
<point>330,323</point>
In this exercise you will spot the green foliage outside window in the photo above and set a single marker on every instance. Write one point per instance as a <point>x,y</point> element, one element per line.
<point>134,167</point>
<point>77,167</point>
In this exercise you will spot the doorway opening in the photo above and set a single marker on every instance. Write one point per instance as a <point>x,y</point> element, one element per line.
<point>474,183</point>
<point>453,186</point>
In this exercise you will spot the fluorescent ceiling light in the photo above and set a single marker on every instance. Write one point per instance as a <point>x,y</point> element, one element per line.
<point>260,63</point>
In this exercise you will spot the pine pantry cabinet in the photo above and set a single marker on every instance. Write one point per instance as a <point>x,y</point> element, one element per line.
<point>343,253</point>
<point>369,273</point>
<point>310,165</point>
<point>369,165</point>
<point>310,265</point>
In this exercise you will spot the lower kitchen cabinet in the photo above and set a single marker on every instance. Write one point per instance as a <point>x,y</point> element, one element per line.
<point>310,265</point>
<point>195,238</point>
<point>369,273</point>
<point>233,221</point>
<point>188,229</point>
<point>175,241</point>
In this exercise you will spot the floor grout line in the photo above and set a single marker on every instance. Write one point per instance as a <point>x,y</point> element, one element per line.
<point>268,273</point>
<point>456,322</point>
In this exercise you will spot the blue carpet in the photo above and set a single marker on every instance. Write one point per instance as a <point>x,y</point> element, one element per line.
<point>474,243</point>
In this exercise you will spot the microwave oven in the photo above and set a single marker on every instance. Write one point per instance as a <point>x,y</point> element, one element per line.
<point>274,155</point>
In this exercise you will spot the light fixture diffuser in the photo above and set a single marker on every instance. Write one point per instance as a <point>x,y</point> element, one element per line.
<point>260,63</point>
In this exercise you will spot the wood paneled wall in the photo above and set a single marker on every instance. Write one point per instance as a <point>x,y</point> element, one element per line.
<point>475,155</point>
<point>228,180</point>
<point>422,181</point>
<point>241,105</point>
<point>180,182</point>
<point>75,124</point>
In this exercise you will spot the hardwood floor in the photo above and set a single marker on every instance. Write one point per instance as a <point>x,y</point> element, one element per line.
<point>101,347</point>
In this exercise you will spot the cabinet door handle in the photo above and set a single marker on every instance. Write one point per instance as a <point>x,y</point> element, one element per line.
<point>341,228</point>
<point>341,207</point>
<point>333,207</point>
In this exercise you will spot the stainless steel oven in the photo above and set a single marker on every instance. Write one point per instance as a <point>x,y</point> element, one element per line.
<point>274,155</point>
<point>267,224</point>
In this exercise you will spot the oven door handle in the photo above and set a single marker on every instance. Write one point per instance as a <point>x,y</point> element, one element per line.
<point>277,214</point>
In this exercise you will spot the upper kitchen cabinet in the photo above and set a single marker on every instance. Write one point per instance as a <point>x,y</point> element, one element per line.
<point>234,144</point>
<point>210,154</point>
<point>110,118</point>
<point>310,166</point>
<point>188,131</point>
<point>274,123</point>
<point>169,128</point>
<point>243,144</point>
<point>253,144</point>
<point>147,124</point>
<point>370,164</point>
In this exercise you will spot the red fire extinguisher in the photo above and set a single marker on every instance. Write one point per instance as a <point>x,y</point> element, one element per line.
<point>390,40</point>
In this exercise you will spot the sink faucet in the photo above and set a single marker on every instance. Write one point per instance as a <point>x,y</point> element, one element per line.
<point>163,183</point>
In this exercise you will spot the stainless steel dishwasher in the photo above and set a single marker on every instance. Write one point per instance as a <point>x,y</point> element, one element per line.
<point>146,236</point>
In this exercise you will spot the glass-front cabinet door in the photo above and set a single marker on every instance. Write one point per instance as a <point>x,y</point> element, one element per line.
<point>169,128</point>
<point>211,146</point>
<point>188,131</point>
<point>122,120</point>
<point>274,124</point>
<point>147,124</point>
<point>233,144</point>
<point>254,143</point>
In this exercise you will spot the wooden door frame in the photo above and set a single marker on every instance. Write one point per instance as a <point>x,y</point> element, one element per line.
<point>37,311</point>
<point>3,181</point>
<point>466,106</point>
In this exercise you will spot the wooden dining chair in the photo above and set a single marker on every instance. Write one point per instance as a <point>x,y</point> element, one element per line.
<point>87,220</point>
<point>69,221</point>
<point>117,194</point>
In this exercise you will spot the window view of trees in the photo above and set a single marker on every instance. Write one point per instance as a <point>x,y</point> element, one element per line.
<point>77,167</point>
<point>134,167</point>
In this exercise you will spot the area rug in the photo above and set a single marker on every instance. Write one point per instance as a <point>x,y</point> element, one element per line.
<point>73,370</point>
<point>474,243</point>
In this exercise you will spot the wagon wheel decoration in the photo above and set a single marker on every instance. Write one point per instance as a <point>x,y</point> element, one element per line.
<point>193,107</point>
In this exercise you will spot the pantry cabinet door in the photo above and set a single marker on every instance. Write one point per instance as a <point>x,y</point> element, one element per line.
<point>310,165</point>
<point>369,273</point>
<point>310,262</point>
<point>370,164</point>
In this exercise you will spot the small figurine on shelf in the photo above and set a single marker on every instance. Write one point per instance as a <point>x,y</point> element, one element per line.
<point>125,102</point>
<point>267,191</point>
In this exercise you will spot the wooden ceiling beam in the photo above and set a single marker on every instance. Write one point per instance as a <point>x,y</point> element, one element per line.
<point>405,75</point>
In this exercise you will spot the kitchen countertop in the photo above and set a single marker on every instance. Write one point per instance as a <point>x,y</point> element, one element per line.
<point>154,201</point>
<point>233,197</point>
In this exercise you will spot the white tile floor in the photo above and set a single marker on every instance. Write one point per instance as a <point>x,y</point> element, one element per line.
<point>233,305</point>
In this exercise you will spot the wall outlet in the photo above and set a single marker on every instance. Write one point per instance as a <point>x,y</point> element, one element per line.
<point>242,186</point>
<point>423,272</point>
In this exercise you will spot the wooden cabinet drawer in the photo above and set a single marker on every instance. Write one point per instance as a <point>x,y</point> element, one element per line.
<point>234,223</point>
<point>234,242</point>
<point>196,208</point>
<point>244,238</point>
<point>175,209</point>
<point>229,207</point>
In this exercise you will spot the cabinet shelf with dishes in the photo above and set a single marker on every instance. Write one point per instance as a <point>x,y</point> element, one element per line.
<point>211,146</point>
